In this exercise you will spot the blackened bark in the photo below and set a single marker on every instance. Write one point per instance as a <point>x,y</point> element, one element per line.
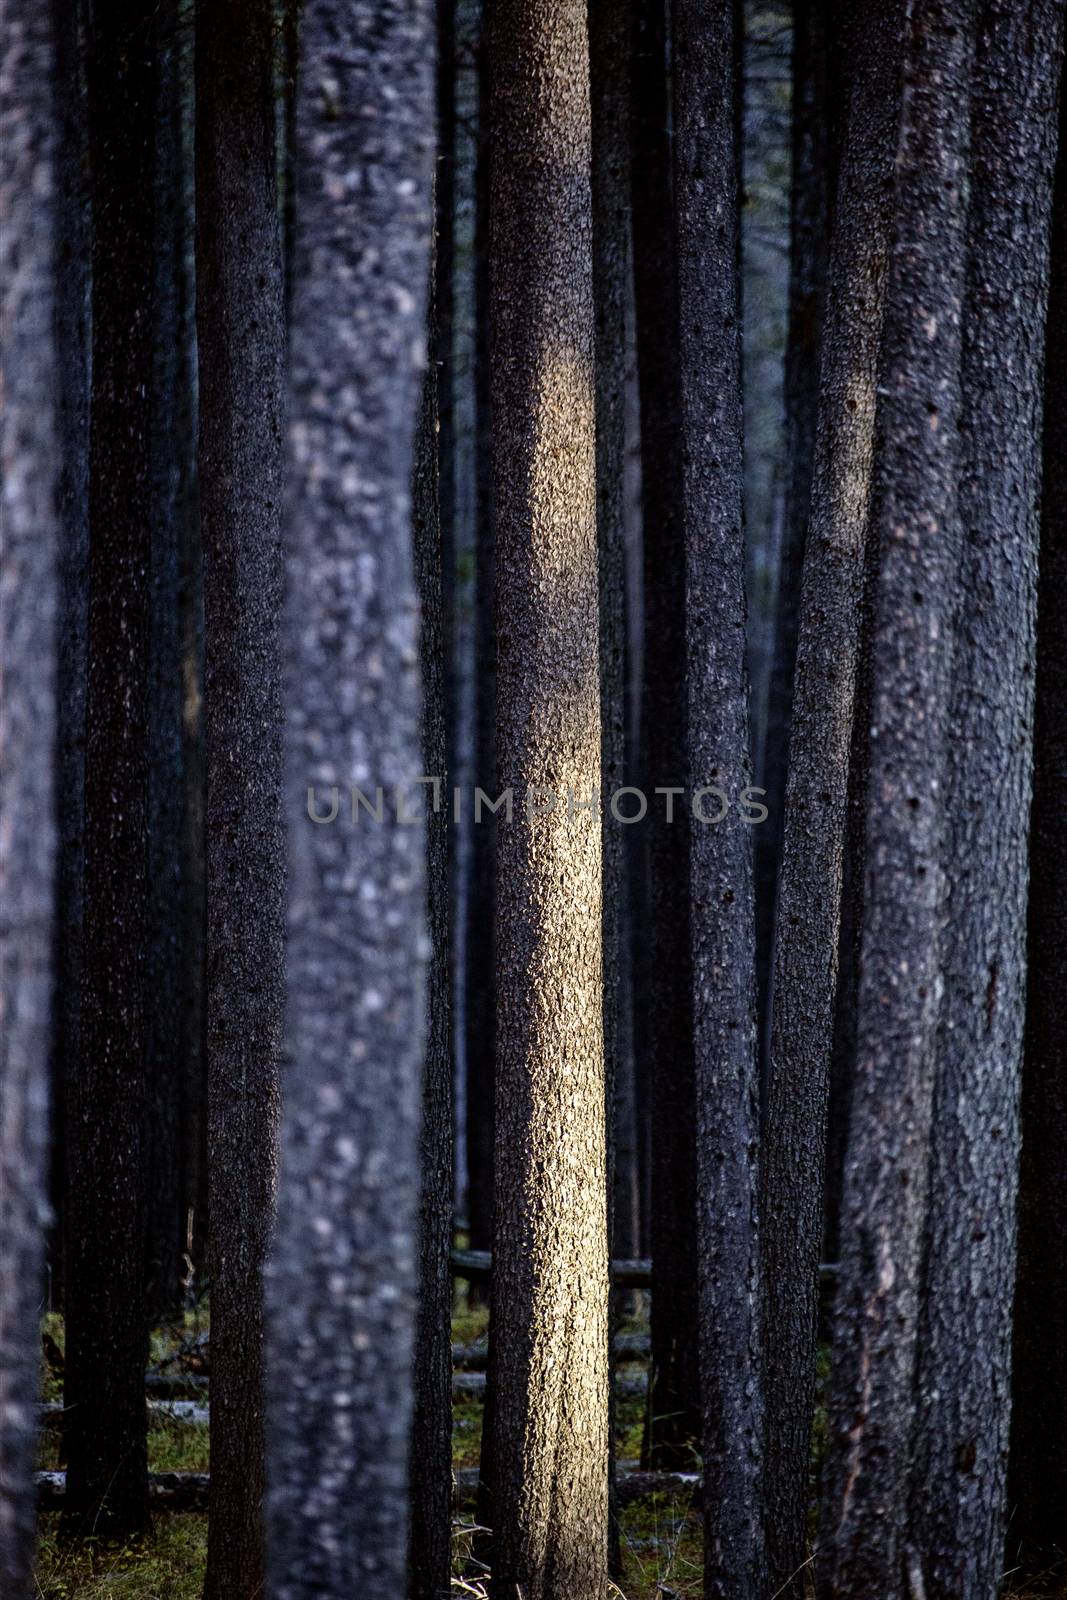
<point>106,1336</point>
<point>672,1426</point>
<point>549,1335</point>
<point>809,224</point>
<point>430,1547</point>
<point>172,453</point>
<point>722,913</point>
<point>342,1282</point>
<point>816,821</point>
<point>29,584</point>
<point>240,327</point>
<point>961,1447</point>
<point>1037,1484</point>
<point>917,525</point>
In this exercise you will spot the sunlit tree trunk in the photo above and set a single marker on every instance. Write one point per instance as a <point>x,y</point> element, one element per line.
<point>550,1273</point>
<point>29,580</point>
<point>342,1281</point>
<point>864,1525</point>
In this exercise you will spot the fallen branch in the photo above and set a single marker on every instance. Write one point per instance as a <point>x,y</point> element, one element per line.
<point>52,1414</point>
<point>167,1491</point>
<point>629,1486</point>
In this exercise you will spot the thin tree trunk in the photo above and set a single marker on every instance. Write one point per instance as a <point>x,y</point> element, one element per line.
<point>240,326</point>
<point>961,1448</point>
<point>810,200</point>
<point>917,527</point>
<point>29,596</point>
<point>810,893</point>
<point>1037,1485</point>
<point>672,1426</point>
<point>342,1282</point>
<point>431,1435</point>
<point>106,1334</point>
<point>550,1287</point>
<point>722,913</point>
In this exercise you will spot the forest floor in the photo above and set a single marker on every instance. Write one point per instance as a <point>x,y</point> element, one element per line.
<point>660,1536</point>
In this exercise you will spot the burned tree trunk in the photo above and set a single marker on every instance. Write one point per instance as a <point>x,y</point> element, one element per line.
<point>29,583</point>
<point>549,1335</point>
<point>342,1282</point>
<point>863,1528</point>
<point>961,1447</point>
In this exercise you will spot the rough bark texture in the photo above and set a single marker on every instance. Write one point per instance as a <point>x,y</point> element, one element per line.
<point>672,1426</point>
<point>240,331</point>
<point>809,226</point>
<point>106,1338</point>
<point>722,913</point>
<point>917,526</point>
<point>1037,1485</point>
<point>29,581</point>
<point>431,1434</point>
<point>961,1447</point>
<point>550,1285</point>
<point>342,1282</point>
<point>809,898</point>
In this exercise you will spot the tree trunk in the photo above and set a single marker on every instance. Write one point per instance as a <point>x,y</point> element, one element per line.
<point>961,1448</point>
<point>106,1335</point>
<point>809,223</point>
<point>430,1546</point>
<point>917,527</point>
<point>722,917</point>
<point>809,899</point>
<point>342,1284</point>
<point>549,1335</point>
<point>240,324</point>
<point>1037,1485</point>
<point>29,584</point>
<point>672,1427</point>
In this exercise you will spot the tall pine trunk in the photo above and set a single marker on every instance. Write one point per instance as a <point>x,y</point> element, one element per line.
<point>342,1283</point>
<point>961,1448</point>
<point>809,896</point>
<point>864,1526</point>
<point>240,329</point>
<point>1037,1484</point>
<point>106,1334</point>
<point>722,912</point>
<point>29,584</point>
<point>550,1270</point>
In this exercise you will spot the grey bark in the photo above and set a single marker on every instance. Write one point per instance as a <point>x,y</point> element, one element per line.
<point>240,329</point>
<point>706,64</point>
<point>1037,1484</point>
<point>342,1279</point>
<point>672,1425</point>
<point>106,1338</point>
<point>549,1330</point>
<point>809,224</point>
<point>917,526</point>
<point>431,1436</point>
<point>817,796</point>
<point>961,1447</point>
<point>29,583</point>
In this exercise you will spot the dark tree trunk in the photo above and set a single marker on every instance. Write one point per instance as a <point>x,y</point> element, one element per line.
<point>29,602</point>
<point>430,1548</point>
<point>722,915</point>
<point>240,326</point>
<point>1037,1484</point>
<point>810,198</point>
<point>810,893</point>
<point>550,1279</point>
<point>961,1447</point>
<point>172,452</point>
<point>672,1427</point>
<point>106,1334</point>
<point>342,1284</point>
<point>917,526</point>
